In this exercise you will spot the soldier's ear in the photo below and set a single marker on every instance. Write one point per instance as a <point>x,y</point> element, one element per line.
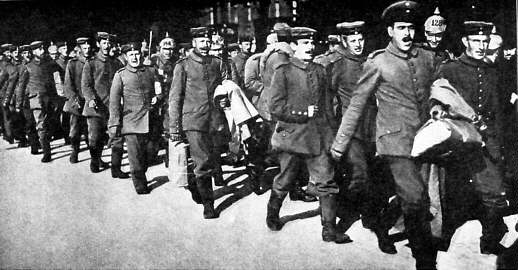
<point>465,41</point>
<point>293,45</point>
<point>194,43</point>
<point>390,30</point>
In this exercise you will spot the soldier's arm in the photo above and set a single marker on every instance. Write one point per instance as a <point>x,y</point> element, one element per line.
<point>367,85</point>
<point>87,83</point>
<point>11,84</point>
<point>278,102</point>
<point>69,87</point>
<point>114,122</point>
<point>176,95</point>
<point>23,79</point>
<point>253,85</point>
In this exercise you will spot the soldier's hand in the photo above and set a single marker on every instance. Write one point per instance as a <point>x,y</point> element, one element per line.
<point>154,100</point>
<point>223,102</point>
<point>438,112</point>
<point>18,110</point>
<point>335,154</point>
<point>92,103</point>
<point>175,137</point>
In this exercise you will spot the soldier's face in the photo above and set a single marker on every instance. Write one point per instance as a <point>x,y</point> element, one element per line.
<point>38,52</point>
<point>433,39</point>
<point>133,58</point>
<point>233,53</point>
<point>166,53</point>
<point>85,49</point>
<point>476,46</point>
<point>304,49</point>
<point>26,55</point>
<point>7,55</point>
<point>15,54</point>
<point>402,34</point>
<point>202,45</point>
<point>104,46</point>
<point>63,50</point>
<point>355,43</point>
<point>246,46</point>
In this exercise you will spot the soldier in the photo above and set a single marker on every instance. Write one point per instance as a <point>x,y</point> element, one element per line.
<point>37,82</point>
<point>75,99</point>
<point>96,80</point>
<point>359,190</point>
<point>478,84</point>
<point>7,91</point>
<point>62,118</point>
<point>400,77</point>
<point>434,29</point>
<point>164,63</point>
<point>193,111</point>
<point>245,46</point>
<point>23,104</point>
<point>134,86</point>
<point>301,104</point>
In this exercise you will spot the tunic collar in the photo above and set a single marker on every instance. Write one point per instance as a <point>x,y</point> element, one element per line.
<point>133,69</point>
<point>391,48</point>
<point>353,57</point>
<point>101,56</point>
<point>299,63</point>
<point>471,62</point>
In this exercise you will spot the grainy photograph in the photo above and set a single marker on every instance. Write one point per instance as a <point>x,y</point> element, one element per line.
<point>267,134</point>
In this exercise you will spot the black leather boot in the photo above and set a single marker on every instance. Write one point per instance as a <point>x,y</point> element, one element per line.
<point>75,151</point>
<point>328,218</point>
<point>140,183</point>
<point>272,211</point>
<point>218,179</point>
<point>493,229</point>
<point>205,190</point>
<point>385,244</point>
<point>116,159</point>
<point>94,159</point>
<point>45,145</point>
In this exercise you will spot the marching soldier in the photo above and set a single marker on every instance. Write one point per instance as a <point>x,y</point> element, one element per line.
<point>193,111</point>
<point>75,99</point>
<point>478,84</point>
<point>300,101</point>
<point>38,84</point>
<point>358,192</point>
<point>400,77</point>
<point>434,29</point>
<point>96,80</point>
<point>7,90</point>
<point>62,118</point>
<point>23,104</point>
<point>245,46</point>
<point>164,63</point>
<point>134,85</point>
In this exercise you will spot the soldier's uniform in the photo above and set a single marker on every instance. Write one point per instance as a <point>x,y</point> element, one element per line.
<point>401,82</point>
<point>7,91</point>
<point>164,69</point>
<point>300,135</point>
<point>361,191</point>
<point>36,81</point>
<point>192,111</point>
<point>331,56</point>
<point>477,82</point>
<point>134,86</point>
<point>23,105</point>
<point>62,117</point>
<point>240,61</point>
<point>75,101</point>
<point>95,84</point>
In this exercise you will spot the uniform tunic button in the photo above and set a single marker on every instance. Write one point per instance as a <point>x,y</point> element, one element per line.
<point>300,113</point>
<point>293,112</point>
<point>480,105</point>
<point>305,113</point>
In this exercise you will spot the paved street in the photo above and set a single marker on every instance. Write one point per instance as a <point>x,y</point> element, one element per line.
<point>59,215</point>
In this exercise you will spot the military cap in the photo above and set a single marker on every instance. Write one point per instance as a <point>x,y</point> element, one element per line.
<point>283,31</point>
<point>435,23</point>
<point>81,40</point>
<point>36,44</point>
<point>132,46</point>
<point>61,44</point>
<point>112,37</point>
<point>185,45</point>
<point>246,37</point>
<point>203,31</point>
<point>167,43</point>
<point>401,11</point>
<point>477,28</point>
<point>103,35</point>
<point>350,28</point>
<point>24,48</point>
<point>302,33</point>
<point>233,46</point>
<point>5,47</point>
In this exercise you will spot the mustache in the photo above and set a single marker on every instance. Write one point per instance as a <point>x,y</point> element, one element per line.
<point>407,39</point>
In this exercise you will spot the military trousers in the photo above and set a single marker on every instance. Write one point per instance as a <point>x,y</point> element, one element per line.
<point>43,124</point>
<point>29,124</point>
<point>140,151</point>
<point>412,190</point>
<point>78,127</point>
<point>202,150</point>
<point>321,174</point>
<point>97,138</point>
<point>7,122</point>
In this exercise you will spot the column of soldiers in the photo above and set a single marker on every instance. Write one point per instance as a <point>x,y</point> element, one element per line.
<point>342,123</point>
